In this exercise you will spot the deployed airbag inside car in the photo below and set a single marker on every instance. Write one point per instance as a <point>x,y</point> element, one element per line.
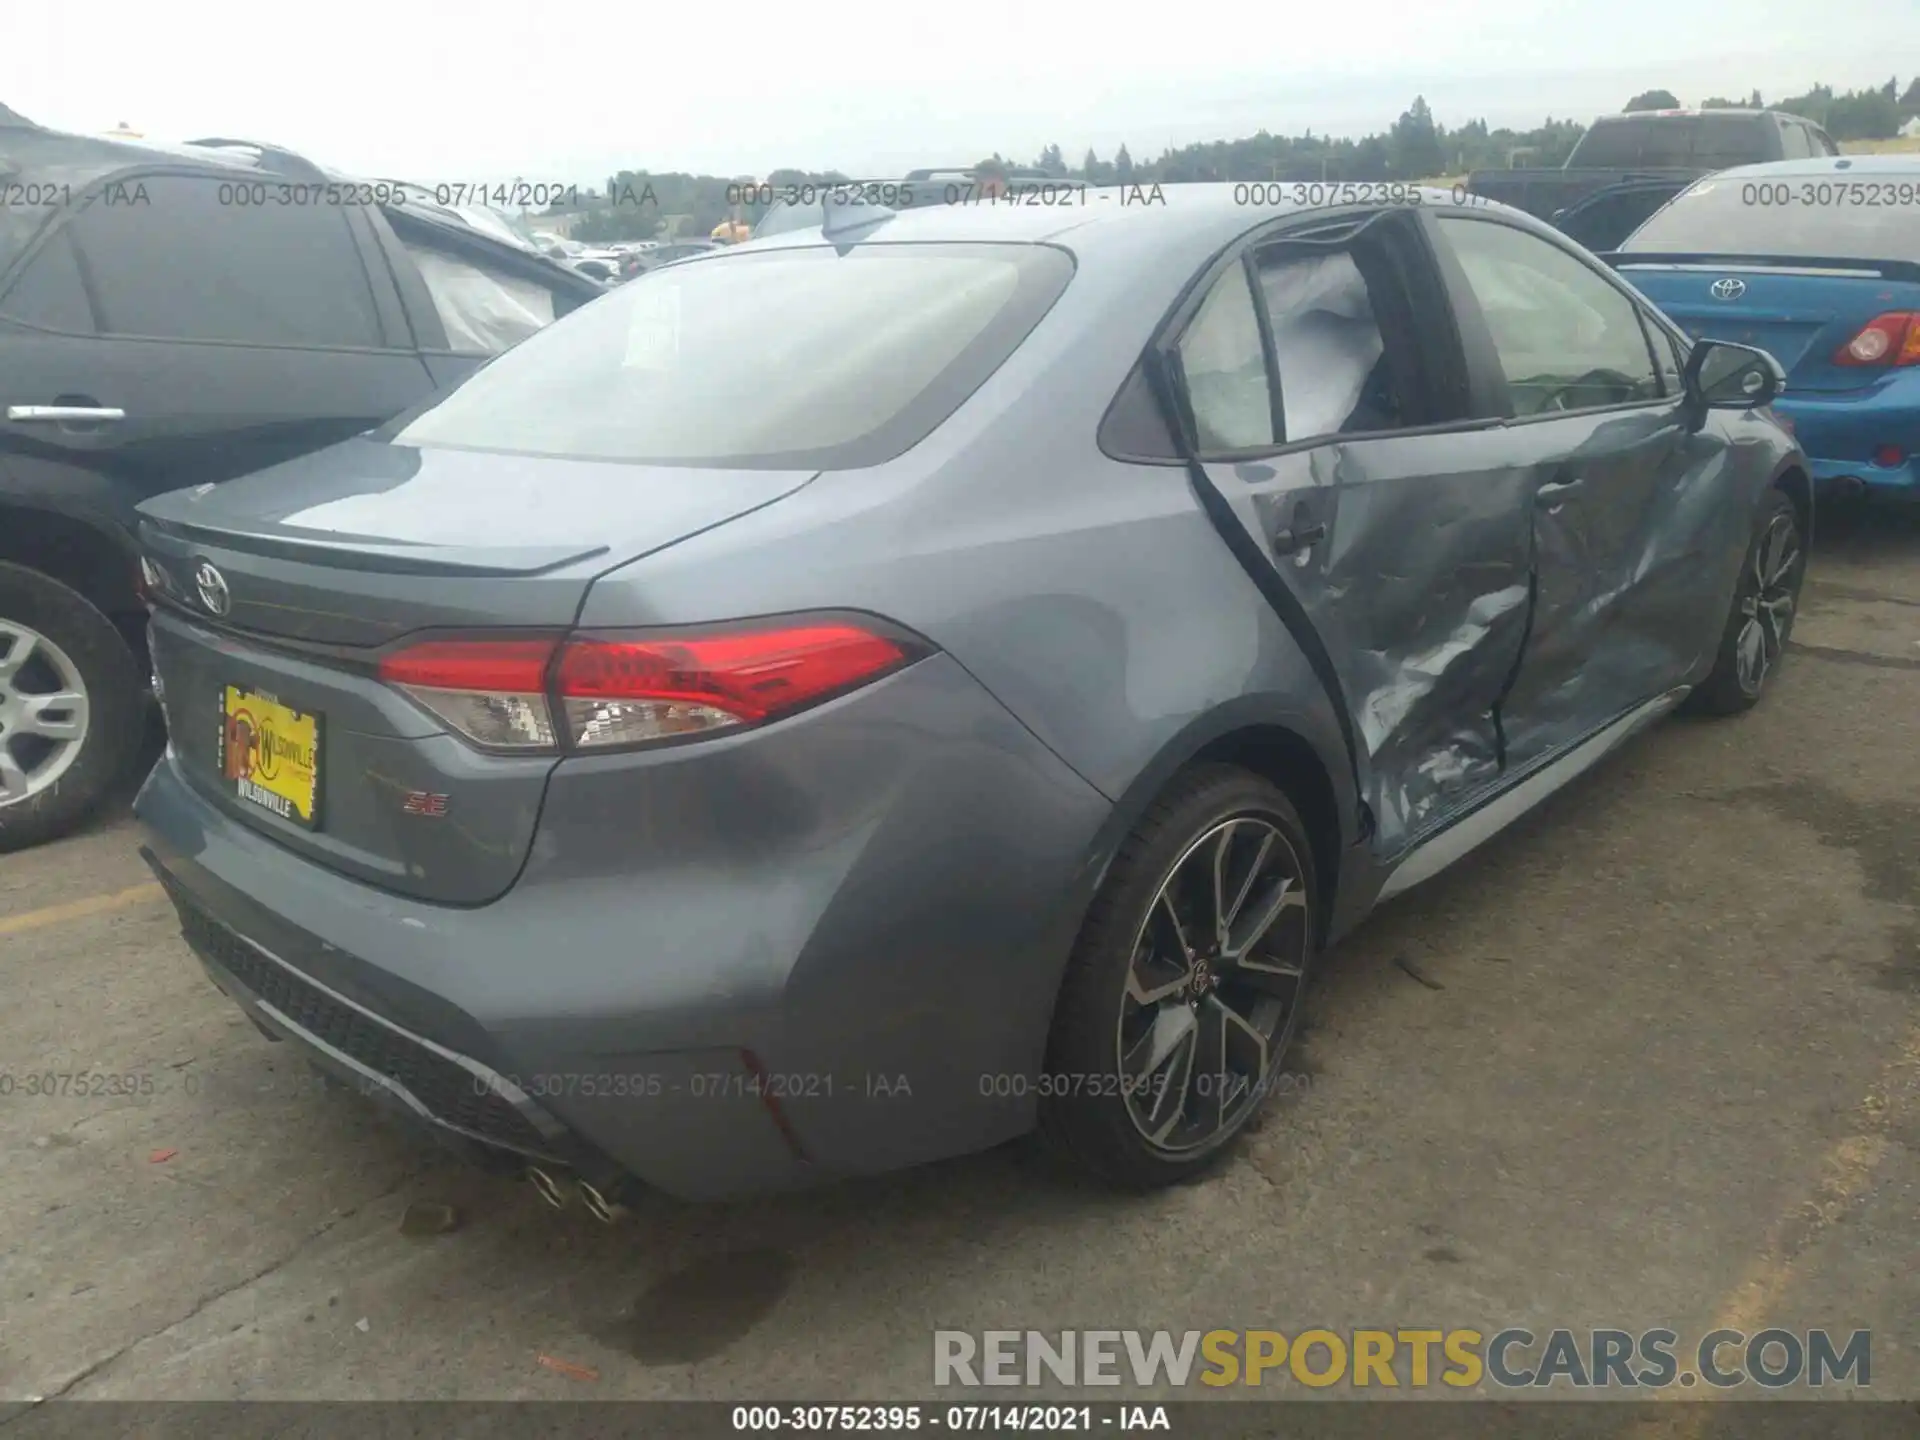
<point>482,309</point>
<point>1325,340</point>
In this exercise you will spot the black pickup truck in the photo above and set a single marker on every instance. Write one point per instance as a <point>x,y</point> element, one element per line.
<point>1627,166</point>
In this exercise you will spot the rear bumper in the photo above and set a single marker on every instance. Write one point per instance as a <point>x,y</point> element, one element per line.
<point>746,965</point>
<point>1840,433</point>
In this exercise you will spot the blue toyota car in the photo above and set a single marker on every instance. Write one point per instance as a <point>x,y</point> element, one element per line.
<point>1817,261</point>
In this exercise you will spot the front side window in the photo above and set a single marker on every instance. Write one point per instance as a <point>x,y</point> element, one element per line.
<point>783,359</point>
<point>1567,339</point>
<point>188,258</point>
<point>1224,369</point>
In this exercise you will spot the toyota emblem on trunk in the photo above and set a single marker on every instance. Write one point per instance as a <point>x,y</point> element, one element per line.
<point>1728,289</point>
<point>212,586</point>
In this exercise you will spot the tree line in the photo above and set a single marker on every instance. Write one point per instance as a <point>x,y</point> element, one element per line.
<point>1415,147</point>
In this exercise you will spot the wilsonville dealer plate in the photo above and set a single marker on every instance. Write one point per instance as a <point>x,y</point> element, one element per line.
<point>270,754</point>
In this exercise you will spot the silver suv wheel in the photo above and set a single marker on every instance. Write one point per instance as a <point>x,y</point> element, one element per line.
<point>43,712</point>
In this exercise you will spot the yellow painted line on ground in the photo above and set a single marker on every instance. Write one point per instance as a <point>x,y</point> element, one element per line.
<point>1846,1171</point>
<point>79,909</point>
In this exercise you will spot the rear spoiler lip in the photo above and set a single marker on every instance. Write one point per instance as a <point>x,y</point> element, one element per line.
<point>383,556</point>
<point>1838,265</point>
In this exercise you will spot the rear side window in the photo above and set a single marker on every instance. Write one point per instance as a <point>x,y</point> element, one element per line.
<point>781,359</point>
<point>1328,348</point>
<point>1855,215</point>
<point>48,293</point>
<point>482,310</point>
<point>193,260</point>
<point>1567,338</point>
<point>1224,369</point>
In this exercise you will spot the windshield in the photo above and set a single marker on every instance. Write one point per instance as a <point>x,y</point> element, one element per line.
<point>1664,141</point>
<point>783,359</point>
<point>1815,217</point>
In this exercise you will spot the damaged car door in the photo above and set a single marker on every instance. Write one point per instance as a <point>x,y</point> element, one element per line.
<point>1341,448</point>
<point>1627,499</point>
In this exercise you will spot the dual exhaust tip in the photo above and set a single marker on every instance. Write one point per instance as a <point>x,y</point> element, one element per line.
<point>557,1191</point>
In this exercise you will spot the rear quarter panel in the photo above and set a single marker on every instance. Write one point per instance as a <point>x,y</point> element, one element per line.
<point>1091,596</point>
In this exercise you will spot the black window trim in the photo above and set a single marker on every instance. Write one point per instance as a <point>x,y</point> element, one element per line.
<point>1551,237</point>
<point>1181,315</point>
<point>83,199</point>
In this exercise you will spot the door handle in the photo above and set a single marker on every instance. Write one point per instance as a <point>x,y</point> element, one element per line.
<point>1554,492</point>
<point>1298,537</point>
<point>63,414</point>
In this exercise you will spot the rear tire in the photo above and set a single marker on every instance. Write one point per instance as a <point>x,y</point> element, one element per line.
<point>1766,598</point>
<point>1171,1026</point>
<point>58,761</point>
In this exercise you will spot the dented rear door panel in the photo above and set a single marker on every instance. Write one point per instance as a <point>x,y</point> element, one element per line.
<point>1418,593</point>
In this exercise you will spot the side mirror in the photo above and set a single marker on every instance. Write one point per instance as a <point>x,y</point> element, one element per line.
<point>1724,376</point>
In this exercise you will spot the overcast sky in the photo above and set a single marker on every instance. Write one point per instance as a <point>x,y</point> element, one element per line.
<point>575,91</point>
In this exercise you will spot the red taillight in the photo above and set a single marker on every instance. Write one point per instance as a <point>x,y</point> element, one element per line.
<point>509,665</point>
<point>1889,339</point>
<point>618,690</point>
<point>624,691</point>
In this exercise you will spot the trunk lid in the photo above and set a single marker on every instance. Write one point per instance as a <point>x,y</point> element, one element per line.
<point>1801,314</point>
<point>324,563</point>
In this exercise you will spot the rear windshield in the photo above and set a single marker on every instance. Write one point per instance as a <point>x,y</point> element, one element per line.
<point>1846,217</point>
<point>1653,141</point>
<point>782,359</point>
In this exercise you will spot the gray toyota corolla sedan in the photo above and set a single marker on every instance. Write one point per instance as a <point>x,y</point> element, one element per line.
<point>858,698</point>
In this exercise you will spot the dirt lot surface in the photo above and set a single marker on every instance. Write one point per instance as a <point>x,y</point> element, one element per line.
<point>1651,1058</point>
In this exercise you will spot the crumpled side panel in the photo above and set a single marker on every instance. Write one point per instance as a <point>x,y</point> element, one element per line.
<point>1421,592</point>
<point>1631,538</point>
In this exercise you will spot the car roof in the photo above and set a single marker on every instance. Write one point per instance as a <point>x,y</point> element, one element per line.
<point>1197,215</point>
<point>64,163</point>
<point>1907,167</point>
<point>1744,110</point>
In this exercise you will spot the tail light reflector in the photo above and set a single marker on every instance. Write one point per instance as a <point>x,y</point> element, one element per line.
<point>620,691</point>
<point>493,692</point>
<point>1889,339</point>
<point>609,690</point>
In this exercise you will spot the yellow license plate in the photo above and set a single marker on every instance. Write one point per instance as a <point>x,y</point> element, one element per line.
<point>270,755</point>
